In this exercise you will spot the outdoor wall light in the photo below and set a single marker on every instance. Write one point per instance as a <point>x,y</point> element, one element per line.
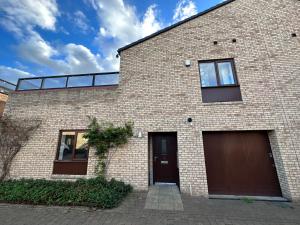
<point>294,35</point>
<point>187,63</point>
<point>138,133</point>
<point>215,42</point>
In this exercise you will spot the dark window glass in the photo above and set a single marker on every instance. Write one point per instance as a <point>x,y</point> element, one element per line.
<point>208,75</point>
<point>164,146</point>
<point>109,79</point>
<point>59,82</point>
<point>80,81</point>
<point>73,146</point>
<point>30,84</point>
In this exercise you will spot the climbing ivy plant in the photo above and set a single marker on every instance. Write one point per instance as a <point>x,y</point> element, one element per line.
<point>105,137</point>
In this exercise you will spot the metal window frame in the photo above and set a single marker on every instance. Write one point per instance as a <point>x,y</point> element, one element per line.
<point>216,62</point>
<point>74,146</point>
<point>7,82</point>
<point>43,83</point>
<point>66,82</point>
<point>35,78</point>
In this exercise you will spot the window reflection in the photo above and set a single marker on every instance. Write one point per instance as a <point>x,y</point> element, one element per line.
<point>81,147</point>
<point>59,82</point>
<point>30,84</point>
<point>66,146</point>
<point>110,79</point>
<point>208,75</point>
<point>226,74</point>
<point>67,81</point>
<point>80,81</point>
<point>73,146</point>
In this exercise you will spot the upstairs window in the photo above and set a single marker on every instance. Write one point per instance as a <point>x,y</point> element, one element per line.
<point>217,73</point>
<point>219,81</point>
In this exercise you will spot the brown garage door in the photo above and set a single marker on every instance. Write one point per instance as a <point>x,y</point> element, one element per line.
<point>240,163</point>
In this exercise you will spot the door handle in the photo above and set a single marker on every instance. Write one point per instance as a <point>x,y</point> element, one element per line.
<point>155,158</point>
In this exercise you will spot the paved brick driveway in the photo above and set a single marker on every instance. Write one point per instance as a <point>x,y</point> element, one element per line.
<point>131,212</point>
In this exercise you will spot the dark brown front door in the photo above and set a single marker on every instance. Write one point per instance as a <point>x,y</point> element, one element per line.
<point>240,163</point>
<point>165,158</point>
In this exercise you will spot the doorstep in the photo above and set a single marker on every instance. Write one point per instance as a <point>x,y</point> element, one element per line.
<point>164,197</point>
<point>256,198</point>
<point>67,177</point>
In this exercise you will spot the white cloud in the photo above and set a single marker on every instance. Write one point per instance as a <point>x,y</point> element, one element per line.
<point>21,16</point>
<point>120,25</point>
<point>12,74</point>
<point>150,23</point>
<point>34,45</point>
<point>70,58</point>
<point>102,31</point>
<point>35,49</point>
<point>81,21</point>
<point>120,21</point>
<point>81,60</point>
<point>184,9</point>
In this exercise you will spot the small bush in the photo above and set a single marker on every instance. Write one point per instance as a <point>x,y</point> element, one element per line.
<point>96,192</point>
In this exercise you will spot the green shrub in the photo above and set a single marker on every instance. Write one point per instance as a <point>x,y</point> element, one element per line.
<point>96,192</point>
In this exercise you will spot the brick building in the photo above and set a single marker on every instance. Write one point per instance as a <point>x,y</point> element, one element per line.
<point>214,100</point>
<point>5,88</point>
<point>3,99</point>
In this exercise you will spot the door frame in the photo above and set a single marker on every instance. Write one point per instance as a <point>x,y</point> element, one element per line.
<point>151,156</point>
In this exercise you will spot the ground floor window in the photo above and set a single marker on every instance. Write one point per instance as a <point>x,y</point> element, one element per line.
<point>73,146</point>
<point>72,153</point>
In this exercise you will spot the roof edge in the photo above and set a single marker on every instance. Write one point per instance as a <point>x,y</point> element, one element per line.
<point>174,25</point>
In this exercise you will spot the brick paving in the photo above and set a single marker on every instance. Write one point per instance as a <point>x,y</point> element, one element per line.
<point>196,211</point>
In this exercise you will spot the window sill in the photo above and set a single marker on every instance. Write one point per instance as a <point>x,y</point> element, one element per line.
<point>67,177</point>
<point>223,103</point>
<point>71,161</point>
<point>223,86</point>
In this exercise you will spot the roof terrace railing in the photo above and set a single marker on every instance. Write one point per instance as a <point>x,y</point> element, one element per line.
<point>68,81</point>
<point>6,86</point>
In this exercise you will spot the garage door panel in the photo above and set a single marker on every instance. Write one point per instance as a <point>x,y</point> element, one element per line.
<point>239,163</point>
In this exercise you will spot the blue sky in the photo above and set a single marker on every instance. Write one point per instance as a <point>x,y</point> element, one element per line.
<point>51,37</point>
